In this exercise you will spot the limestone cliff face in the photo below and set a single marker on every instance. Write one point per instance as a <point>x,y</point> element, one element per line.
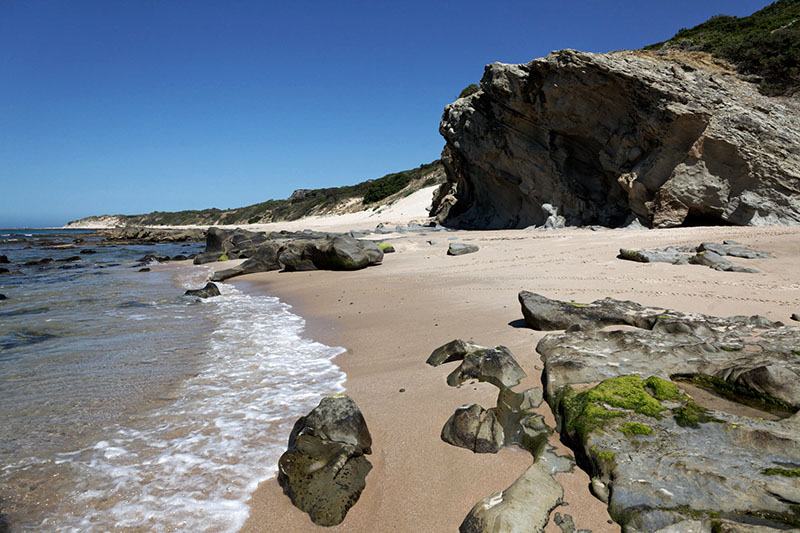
<point>669,138</point>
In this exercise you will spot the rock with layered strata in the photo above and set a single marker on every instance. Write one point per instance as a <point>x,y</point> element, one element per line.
<point>671,138</point>
<point>640,407</point>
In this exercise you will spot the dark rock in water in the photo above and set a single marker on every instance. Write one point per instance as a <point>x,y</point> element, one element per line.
<point>496,365</point>
<point>69,259</point>
<point>145,269</point>
<point>4,260</point>
<point>179,257</point>
<point>209,291</point>
<point>324,469</point>
<point>262,259</point>
<point>140,235</point>
<point>3,297</point>
<point>88,251</point>
<point>618,399</point>
<point>474,428</point>
<point>460,248</point>
<point>454,350</point>
<point>4,270</point>
<point>603,137</point>
<point>40,262</point>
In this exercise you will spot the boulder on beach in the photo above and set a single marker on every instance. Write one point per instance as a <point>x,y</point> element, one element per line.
<point>494,365</point>
<point>324,469</point>
<point>454,350</point>
<point>209,291</point>
<point>460,248</point>
<point>474,428</point>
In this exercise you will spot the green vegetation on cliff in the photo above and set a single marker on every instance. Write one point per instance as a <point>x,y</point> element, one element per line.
<point>765,44</point>
<point>301,203</point>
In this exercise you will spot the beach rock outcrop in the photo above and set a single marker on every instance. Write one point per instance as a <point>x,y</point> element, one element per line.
<point>138,235</point>
<point>640,407</point>
<point>298,251</point>
<point>494,365</point>
<point>545,314</point>
<point>209,291</point>
<point>717,262</point>
<point>526,504</point>
<point>708,254</point>
<point>454,350</point>
<point>669,138</point>
<point>324,469</point>
<point>461,248</point>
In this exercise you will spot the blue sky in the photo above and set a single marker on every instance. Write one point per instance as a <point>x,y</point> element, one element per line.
<point>135,106</point>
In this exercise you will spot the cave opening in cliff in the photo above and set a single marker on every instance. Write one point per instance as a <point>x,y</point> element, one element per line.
<point>697,218</point>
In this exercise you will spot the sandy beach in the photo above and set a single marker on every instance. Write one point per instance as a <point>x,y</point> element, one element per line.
<point>390,317</point>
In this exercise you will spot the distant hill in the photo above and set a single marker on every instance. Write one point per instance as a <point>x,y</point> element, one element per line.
<point>765,44</point>
<point>302,203</point>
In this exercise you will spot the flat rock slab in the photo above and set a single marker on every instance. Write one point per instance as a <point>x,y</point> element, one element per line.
<point>709,254</point>
<point>460,248</point>
<point>663,458</point>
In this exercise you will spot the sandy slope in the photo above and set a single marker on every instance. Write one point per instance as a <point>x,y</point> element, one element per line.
<point>390,317</point>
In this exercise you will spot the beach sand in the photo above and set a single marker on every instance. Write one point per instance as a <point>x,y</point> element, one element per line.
<point>390,317</point>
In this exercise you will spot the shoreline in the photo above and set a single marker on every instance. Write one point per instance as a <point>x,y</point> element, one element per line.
<point>390,317</point>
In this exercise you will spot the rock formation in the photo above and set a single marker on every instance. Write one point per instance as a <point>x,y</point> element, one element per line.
<point>669,138</point>
<point>209,291</point>
<point>526,504</point>
<point>688,424</point>
<point>306,250</point>
<point>709,254</point>
<point>324,469</point>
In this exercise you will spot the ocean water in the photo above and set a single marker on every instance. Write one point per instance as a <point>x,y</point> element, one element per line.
<point>127,406</point>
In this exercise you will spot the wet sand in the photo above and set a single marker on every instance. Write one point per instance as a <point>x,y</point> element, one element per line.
<point>390,317</point>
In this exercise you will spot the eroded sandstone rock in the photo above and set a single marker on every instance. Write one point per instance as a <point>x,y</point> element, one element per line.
<point>669,139</point>
<point>689,419</point>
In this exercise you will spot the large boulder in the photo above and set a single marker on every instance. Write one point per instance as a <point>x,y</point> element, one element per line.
<point>545,314</point>
<point>495,365</point>
<point>672,138</point>
<point>324,469</point>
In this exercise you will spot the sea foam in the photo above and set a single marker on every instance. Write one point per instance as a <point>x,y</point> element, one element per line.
<point>193,464</point>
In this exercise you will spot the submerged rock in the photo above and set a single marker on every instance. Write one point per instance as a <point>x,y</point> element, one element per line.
<point>324,469</point>
<point>621,402</point>
<point>209,291</point>
<point>4,260</point>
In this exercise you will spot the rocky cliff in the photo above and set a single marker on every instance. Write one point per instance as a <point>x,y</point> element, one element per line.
<point>671,138</point>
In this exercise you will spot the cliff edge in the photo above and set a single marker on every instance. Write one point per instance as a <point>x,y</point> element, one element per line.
<point>669,138</point>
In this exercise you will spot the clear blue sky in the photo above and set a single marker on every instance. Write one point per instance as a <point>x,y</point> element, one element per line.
<point>135,106</point>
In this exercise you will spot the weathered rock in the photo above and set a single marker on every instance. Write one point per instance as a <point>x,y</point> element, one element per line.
<point>717,262</point>
<point>495,365</point>
<point>645,442</point>
<point>795,316</point>
<point>4,260</point>
<point>4,271</point>
<point>672,139</point>
<point>324,469</point>
<point>134,234</point>
<point>454,350</point>
<point>524,506</point>
<point>733,250</point>
<point>3,297</point>
<point>209,291</point>
<point>386,247</point>
<point>40,262</point>
<point>474,428</point>
<point>145,269</point>
<point>545,314</point>
<point>71,259</point>
<point>666,255</point>
<point>340,252</point>
<point>460,248</point>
